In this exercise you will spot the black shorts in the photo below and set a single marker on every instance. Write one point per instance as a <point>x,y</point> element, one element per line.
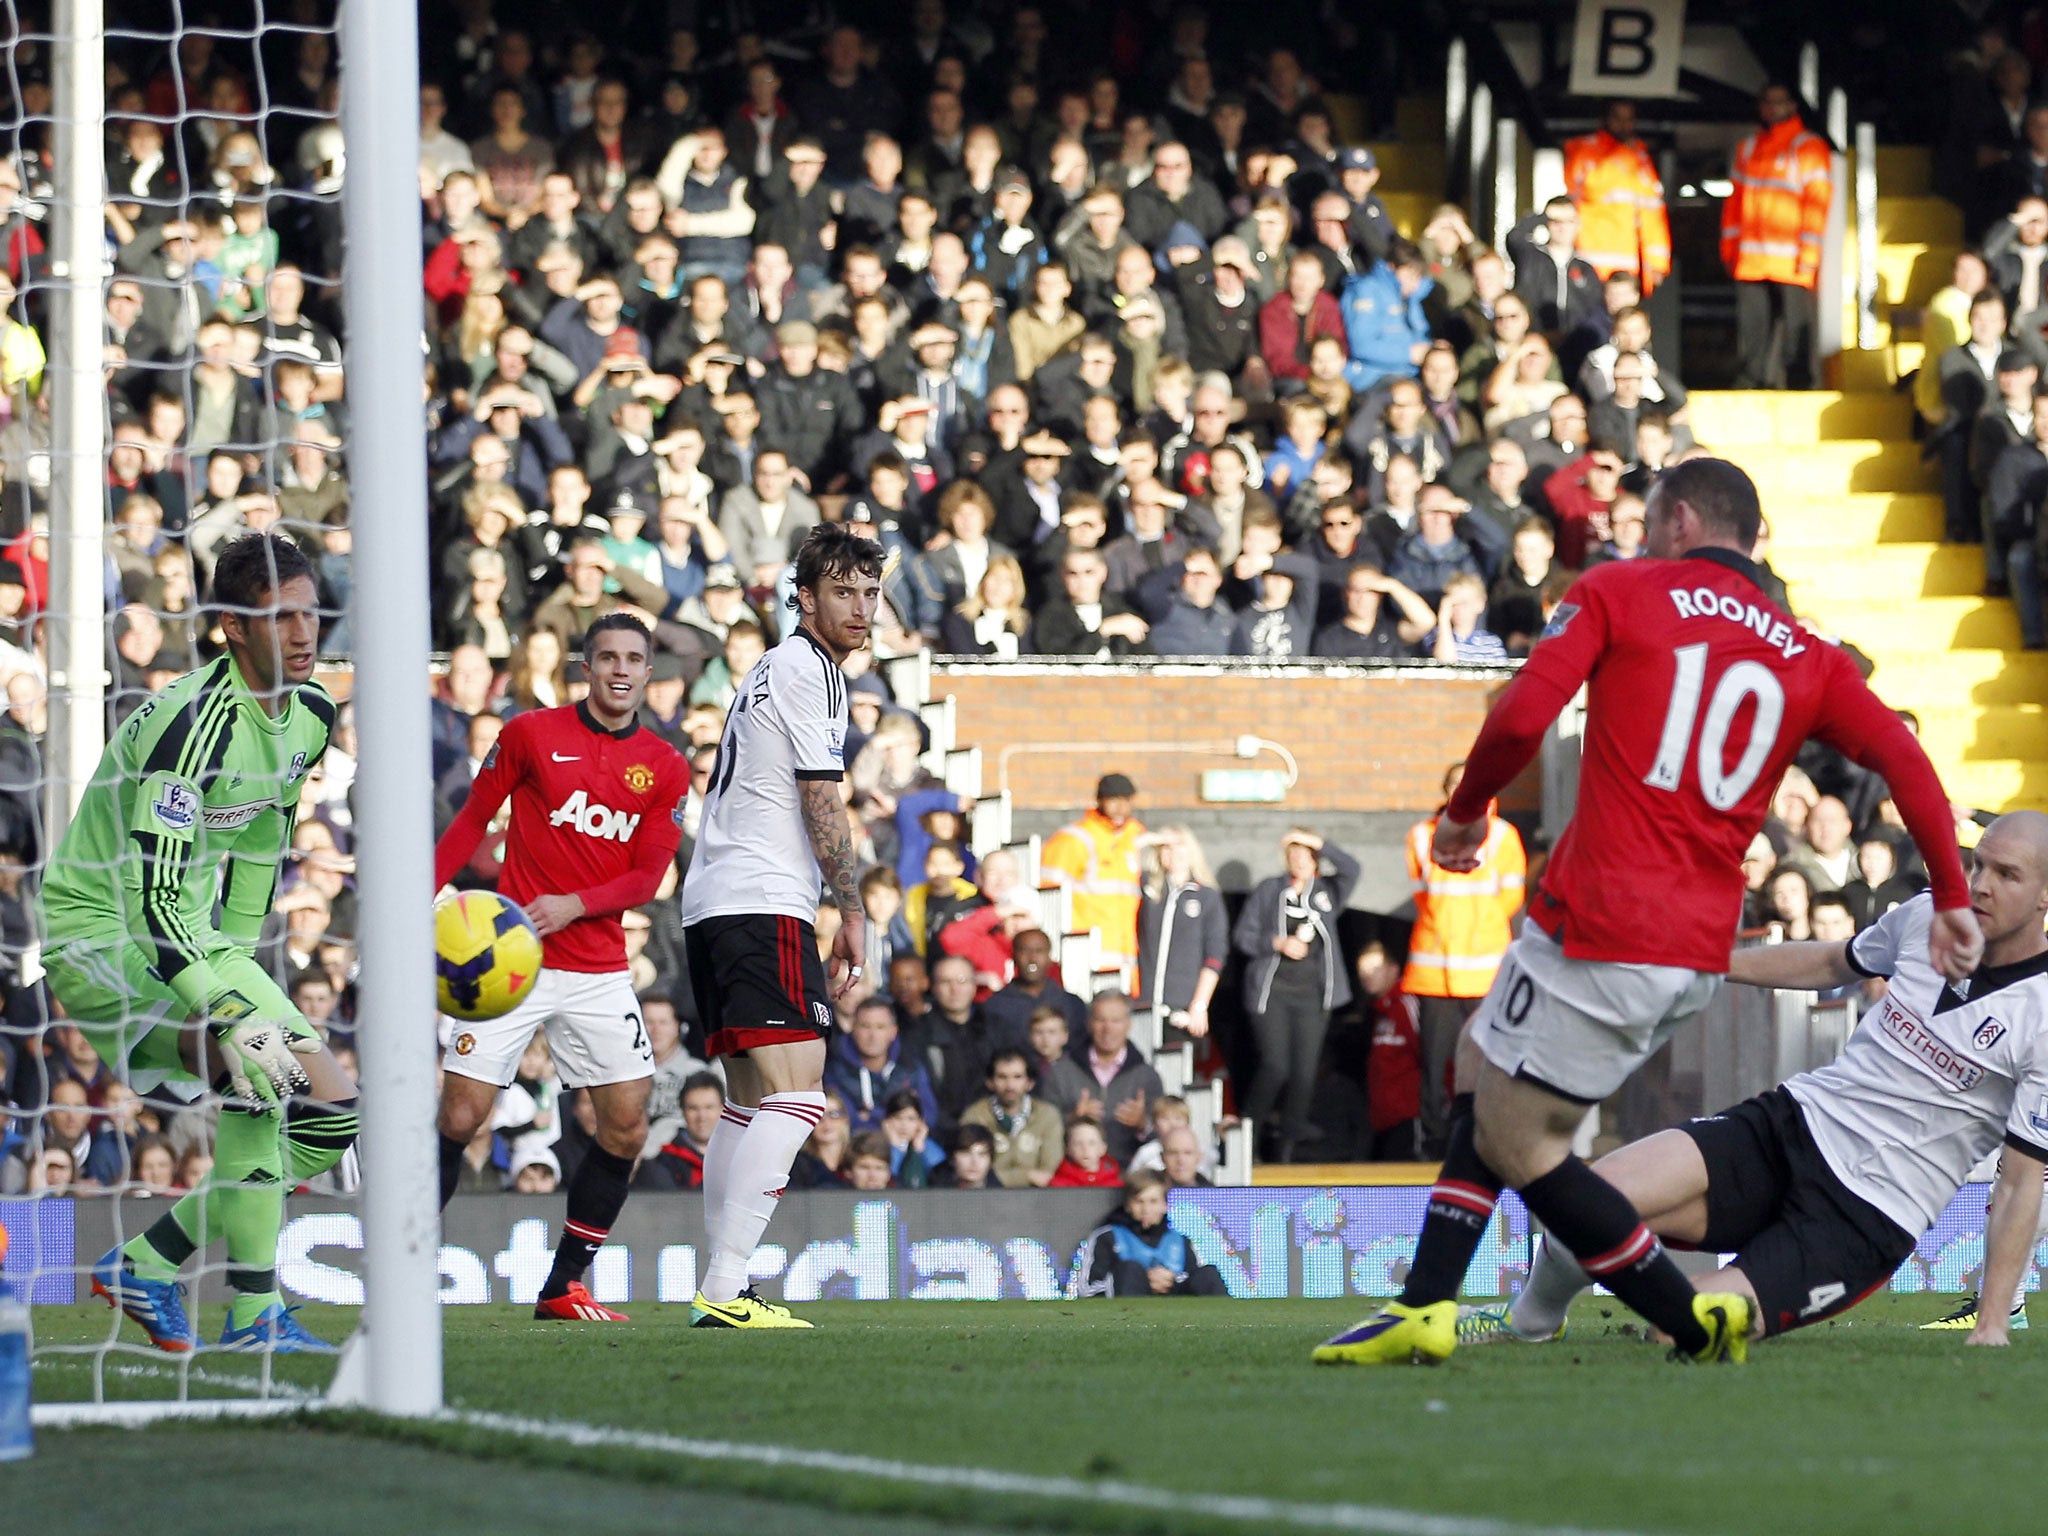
<point>1810,1245</point>
<point>758,980</point>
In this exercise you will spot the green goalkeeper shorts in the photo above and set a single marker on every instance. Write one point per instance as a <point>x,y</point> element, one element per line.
<point>109,988</point>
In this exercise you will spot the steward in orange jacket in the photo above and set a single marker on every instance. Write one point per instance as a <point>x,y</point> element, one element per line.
<point>1097,857</point>
<point>1775,219</point>
<point>1623,226</point>
<point>1463,921</point>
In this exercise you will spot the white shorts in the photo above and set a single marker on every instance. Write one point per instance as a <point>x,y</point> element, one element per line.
<point>594,1030</point>
<point>1581,1027</point>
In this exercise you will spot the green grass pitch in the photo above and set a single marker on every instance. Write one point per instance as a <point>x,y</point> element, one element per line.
<point>1866,1425</point>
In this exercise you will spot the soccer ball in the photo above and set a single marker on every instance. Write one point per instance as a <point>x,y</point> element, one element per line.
<point>486,955</point>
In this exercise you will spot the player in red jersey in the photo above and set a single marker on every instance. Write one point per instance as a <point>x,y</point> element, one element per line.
<point>596,820</point>
<point>1700,693</point>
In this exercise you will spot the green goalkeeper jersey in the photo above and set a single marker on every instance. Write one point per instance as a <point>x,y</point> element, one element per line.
<point>191,809</point>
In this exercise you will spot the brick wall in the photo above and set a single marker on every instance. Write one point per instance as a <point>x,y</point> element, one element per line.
<point>1365,740</point>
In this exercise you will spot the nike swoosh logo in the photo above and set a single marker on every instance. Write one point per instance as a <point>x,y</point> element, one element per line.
<point>561,759</point>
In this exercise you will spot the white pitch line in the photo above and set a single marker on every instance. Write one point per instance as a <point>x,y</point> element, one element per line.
<point>200,1374</point>
<point>142,1415</point>
<point>1378,1519</point>
<point>284,1398</point>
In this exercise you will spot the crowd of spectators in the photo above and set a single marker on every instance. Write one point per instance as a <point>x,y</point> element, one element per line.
<point>1097,322</point>
<point>1116,361</point>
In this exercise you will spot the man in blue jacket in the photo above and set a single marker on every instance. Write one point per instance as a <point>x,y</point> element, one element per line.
<point>1384,327</point>
<point>868,1065</point>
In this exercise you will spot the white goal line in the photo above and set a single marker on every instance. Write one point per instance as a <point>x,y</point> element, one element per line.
<point>283,1398</point>
<point>1257,1511</point>
<point>1378,1519</point>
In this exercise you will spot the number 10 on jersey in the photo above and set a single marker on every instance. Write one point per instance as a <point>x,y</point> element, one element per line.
<point>1723,787</point>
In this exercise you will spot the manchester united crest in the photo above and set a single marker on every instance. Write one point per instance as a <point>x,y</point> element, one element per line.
<point>465,1043</point>
<point>639,778</point>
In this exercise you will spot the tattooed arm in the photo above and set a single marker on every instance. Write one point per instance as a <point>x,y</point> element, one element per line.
<point>825,819</point>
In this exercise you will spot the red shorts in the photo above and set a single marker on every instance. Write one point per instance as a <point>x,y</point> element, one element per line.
<point>758,981</point>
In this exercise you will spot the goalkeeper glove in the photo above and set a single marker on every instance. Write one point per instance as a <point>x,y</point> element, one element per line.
<point>261,1054</point>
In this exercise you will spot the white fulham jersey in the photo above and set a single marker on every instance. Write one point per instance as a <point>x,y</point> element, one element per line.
<point>787,722</point>
<point>1934,1076</point>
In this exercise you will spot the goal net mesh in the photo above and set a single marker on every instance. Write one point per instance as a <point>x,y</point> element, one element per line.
<point>223,411</point>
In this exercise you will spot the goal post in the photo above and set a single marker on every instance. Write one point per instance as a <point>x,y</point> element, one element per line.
<point>392,1361</point>
<point>400,1341</point>
<point>78,414</point>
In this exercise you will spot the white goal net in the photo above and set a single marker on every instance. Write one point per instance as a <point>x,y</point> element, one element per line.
<point>178,370</point>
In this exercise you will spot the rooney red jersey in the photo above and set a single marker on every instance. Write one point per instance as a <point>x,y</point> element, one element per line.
<point>1700,692</point>
<point>595,813</point>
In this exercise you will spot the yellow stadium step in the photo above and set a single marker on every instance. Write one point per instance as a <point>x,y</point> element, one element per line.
<point>1878,369</point>
<point>2011,784</point>
<point>1872,518</point>
<point>1900,570</point>
<point>1732,418</point>
<point>1905,170</point>
<point>1829,468</point>
<point>1936,624</point>
<point>1911,272</point>
<point>1856,522</point>
<point>1989,733</point>
<point>1929,220</point>
<point>1974,675</point>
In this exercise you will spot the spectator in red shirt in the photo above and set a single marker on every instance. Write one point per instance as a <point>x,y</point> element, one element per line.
<point>986,937</point>
<point>21,243</point>
<point>680,1163</point>
<point>31,556</point>
<point>1581,499</point>
<point>1393,1063</point>
<point>1087,1164</point>
<point>1292,319</point>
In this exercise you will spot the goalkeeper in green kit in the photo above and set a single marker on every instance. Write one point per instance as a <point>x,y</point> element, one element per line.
<point>191,809</point>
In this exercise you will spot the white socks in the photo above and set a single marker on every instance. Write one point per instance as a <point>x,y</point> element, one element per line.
<point>753,1177</point>
<point>718,1158</point>
<point>1554,1279</point>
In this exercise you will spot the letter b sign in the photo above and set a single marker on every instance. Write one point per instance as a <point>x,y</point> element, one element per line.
<point>1624,43</point>
<point>1627,47</point>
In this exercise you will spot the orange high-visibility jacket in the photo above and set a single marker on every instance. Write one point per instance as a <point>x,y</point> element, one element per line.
<point>1774,221</point>
<point>1100,862</point>
<point>1462,921</point>
<point>1622,223</point>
